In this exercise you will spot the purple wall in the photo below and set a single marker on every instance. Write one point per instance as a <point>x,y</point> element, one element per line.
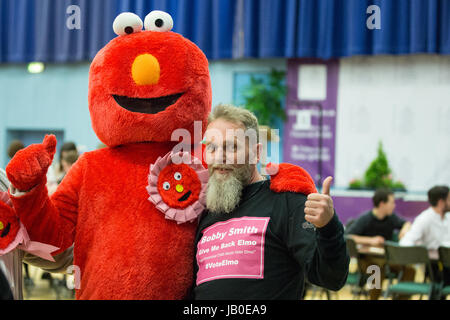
<point>301,147</point>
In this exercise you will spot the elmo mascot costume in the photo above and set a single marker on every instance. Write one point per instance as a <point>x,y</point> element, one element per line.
<point>143,85</point>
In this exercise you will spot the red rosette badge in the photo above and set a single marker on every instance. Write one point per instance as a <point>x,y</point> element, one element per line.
<point>177,186</point>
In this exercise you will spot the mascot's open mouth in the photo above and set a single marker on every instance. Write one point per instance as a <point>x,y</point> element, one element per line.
<point>185,196</point>
<point>6,231</point>
<point>147,105</point>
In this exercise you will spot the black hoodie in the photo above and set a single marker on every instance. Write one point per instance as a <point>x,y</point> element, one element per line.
<point>265,248</point>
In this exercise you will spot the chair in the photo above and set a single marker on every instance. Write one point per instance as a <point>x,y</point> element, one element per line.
<point>395,236</point>
<point>399,255</point>
<point>316,289</point>
<point>349,223</point>
<point>444,258</point>
<point>356,280</point>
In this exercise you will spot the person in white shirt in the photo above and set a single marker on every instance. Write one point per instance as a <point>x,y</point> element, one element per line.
<point>431,228</point>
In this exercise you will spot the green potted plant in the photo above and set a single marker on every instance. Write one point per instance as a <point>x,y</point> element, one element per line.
<point>378,175</point>
<point>356,184</point>
<point>265,100</point>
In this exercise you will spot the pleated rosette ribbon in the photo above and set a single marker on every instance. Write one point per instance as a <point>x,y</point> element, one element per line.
<point>177,186</point>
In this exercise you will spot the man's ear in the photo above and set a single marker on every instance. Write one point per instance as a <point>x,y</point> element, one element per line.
<point>258,151</point>
<point>254,153</point>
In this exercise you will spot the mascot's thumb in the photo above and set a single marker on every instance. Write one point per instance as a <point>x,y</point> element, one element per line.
<point>49,144</point>
<point>29,166</point>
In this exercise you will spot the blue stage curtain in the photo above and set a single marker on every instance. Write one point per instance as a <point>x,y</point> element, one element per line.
<point>337,28</point>
<point>35,30</point>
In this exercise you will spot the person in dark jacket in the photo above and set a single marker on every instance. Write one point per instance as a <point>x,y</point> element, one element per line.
<point>254,242</point>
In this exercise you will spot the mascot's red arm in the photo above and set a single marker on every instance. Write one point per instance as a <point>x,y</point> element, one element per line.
<point>287,177</point>
<point>57,217</point>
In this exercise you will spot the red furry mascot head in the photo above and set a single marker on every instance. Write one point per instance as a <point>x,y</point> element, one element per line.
<point>158,75</point>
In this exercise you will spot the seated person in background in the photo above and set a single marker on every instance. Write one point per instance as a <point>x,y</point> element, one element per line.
<point>56,171</point>
<point>67,161</point>
<point>376,226</point>
<point>431,228</point>
<point>15,146</point>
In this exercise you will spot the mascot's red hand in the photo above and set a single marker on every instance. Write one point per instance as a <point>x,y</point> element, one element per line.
<point>288,177</point>
<point>29,166</point>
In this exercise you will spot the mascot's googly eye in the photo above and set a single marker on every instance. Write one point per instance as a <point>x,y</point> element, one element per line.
<point>127,23</point>
<point>166,186</point>
<point>159,21</point>
<point>177,176</point>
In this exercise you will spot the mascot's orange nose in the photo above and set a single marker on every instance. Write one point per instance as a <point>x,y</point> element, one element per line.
<point>145,70</point>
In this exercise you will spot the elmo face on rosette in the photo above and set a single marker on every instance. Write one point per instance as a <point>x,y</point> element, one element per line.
<point>177,186</point>
<point>144,84</point>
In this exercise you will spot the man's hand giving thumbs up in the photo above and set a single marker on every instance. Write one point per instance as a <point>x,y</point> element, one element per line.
<point>319,206</point>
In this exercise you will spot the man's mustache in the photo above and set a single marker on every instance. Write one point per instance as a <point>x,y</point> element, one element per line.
<point>222,166</point>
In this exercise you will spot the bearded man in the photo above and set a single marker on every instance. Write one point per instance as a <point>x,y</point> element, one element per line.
<point>253,243</point>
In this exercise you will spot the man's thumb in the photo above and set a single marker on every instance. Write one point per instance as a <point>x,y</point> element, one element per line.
<point>327,185</point>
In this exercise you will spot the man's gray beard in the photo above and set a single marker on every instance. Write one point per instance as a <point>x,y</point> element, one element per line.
<point>224,194</point>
